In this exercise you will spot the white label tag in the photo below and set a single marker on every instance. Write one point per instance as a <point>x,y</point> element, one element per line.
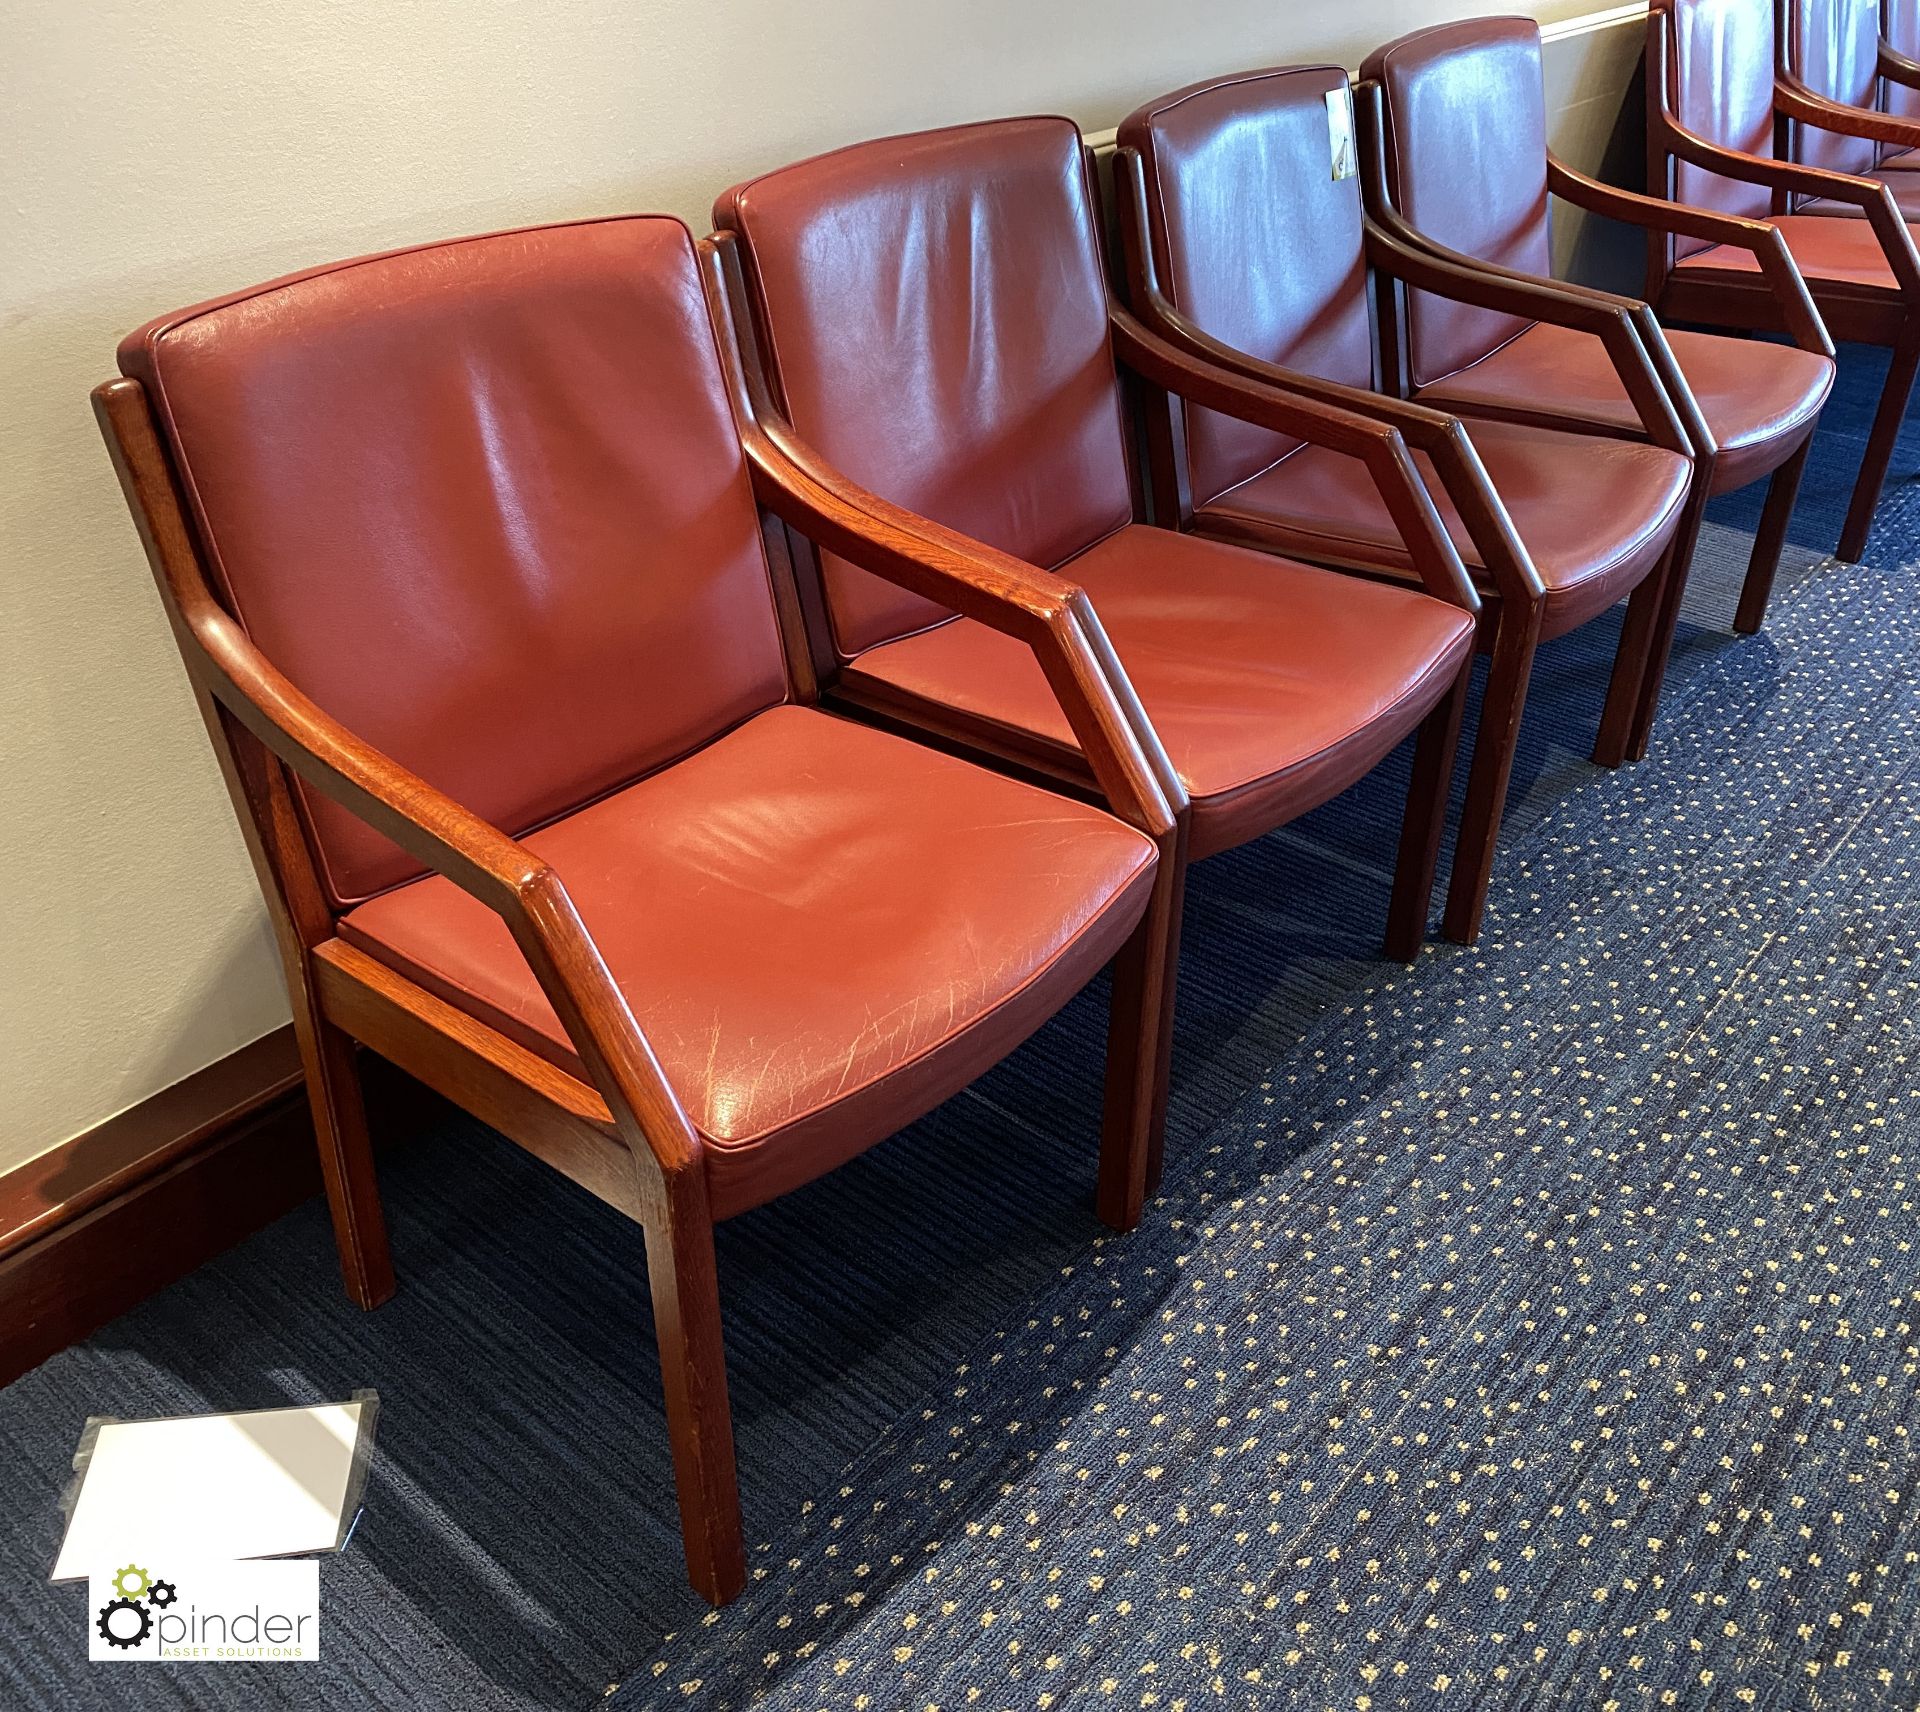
<point>1340,132</point>
<point>160,1611</point>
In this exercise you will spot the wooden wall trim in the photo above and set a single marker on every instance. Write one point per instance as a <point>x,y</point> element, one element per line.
<point>78,1175</point>
<point>100,1223</point>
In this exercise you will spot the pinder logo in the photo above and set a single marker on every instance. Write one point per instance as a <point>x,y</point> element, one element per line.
<point>265,1611</point>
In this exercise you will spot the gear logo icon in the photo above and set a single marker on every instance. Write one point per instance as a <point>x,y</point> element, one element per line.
<point>126,1619</point>
<point>118,1635</point>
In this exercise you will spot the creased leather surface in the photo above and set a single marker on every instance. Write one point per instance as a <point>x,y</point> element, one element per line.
<point>1258,243</point>
<point>1273,685</point>
<point>824,931</point>
<point>1750,406</point>
<point>1467,122</point>
<point>484,503</point>
<point>1901,21</point>
<point>1834,46</point>
<point>1844,250</point>
<point>938,315</point>
<point>1721,88</point>
<point>1595,513</point>
<point>1906,195</point>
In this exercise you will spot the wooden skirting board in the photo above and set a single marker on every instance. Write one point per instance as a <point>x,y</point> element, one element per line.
<point>96,1226</point>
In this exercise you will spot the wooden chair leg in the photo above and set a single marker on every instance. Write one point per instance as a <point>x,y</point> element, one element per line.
<point>1139,1047</point>
<point>1426,817</point>
<point>1660,648</point>
<point>693,1369</point>
<point>346,1158</point>
<point>1633,659</point>
<point>1514,642</point>
<point>1771,541</point>
<point>1887,420</point>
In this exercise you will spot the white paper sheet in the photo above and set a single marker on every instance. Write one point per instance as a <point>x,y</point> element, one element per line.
<point>271,1483</point>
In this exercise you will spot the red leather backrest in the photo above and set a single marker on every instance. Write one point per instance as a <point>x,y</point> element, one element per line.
<point>1900,25</point>
<point>1834,47</point>
<point>485,503</point>
<point>1720,87</point>
<point>1466,139</point>
<point>1256,241</point>
<point>935,311</point>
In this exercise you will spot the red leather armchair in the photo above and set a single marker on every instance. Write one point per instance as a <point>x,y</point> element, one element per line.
<point>1712,111</point>
<point>1832,62</point>
<point>1243,246</point>
<point>1455,146</point>
<point>1899,56</point>
<point>932,314</point>
<point>464,552</point>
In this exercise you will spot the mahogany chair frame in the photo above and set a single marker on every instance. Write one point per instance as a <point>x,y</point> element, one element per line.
<point>1867,313</point>
<point>1798,314</point>
<point>621,1133</point>
<point>1510,624</point>
<point>1147,361</point>
<point>1893,65</point>
<point>1796,102</point>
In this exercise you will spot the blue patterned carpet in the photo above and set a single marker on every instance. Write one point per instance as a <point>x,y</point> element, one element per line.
<point>1536,1328</point>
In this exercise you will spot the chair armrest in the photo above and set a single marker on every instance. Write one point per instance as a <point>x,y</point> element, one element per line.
<point>1626,328</point>
<point>1896,67</point>
<point>1653,338</point>
<point>1795,99</point>
<point>441,834</point>
<point>1376,443</point>
<point>1757,237</point>
<point>1441,438</point>
<point>1767,171</point>
<point>1875,200</point>
<point>1050,614</point>
<point>1607,319</point>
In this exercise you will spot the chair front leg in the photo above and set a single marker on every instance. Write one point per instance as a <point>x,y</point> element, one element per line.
<point>1886,430</point>
<point>1660,649</point>
<point>1426,818</point>
<point>1771,541</point>
<point>1516,636</point>
<point>1140,1045</point>
<point>693,1369</point>
<point>1640,661</point>
<point>346,1153</point>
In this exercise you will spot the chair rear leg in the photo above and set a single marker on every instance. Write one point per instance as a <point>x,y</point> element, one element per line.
<point>1426,817</point>
<point>1515,638</point>
<point>1139,1046</point>
<point>1892,412</point>
<point>693,1369</point>
<point>1633,660</point>
<point>1771,541</point>
<point>346,1156</point>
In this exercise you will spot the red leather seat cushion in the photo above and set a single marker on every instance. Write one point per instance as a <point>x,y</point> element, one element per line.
<point>1906,195</point>
<point>1274,686</point>
<point>1595,513</point>
<point>1754,397</point>
<point>823,929</point>
<point>1842,251</point>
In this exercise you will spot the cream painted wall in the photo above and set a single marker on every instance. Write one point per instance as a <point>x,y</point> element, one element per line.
<point>153,152</point>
